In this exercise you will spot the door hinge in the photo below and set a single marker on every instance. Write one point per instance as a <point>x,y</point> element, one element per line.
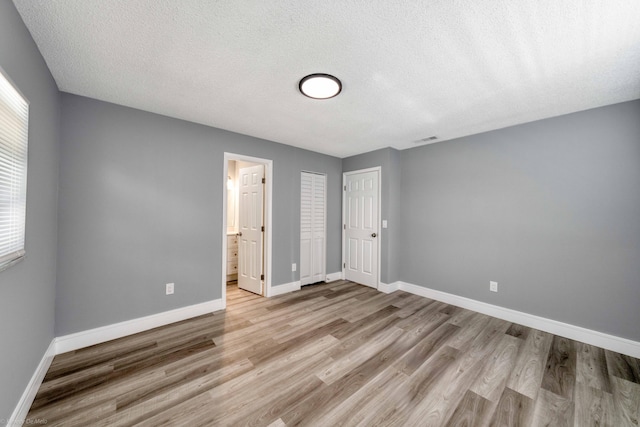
<point>263,180</point>
<point>344,265</point>
<point>344,226</point>
<point>262,277</point>
<point>345,188</point>
<point>263,228</point>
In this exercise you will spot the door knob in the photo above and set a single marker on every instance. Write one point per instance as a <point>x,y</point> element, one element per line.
<point>240,233</point>
<point>374,235</point>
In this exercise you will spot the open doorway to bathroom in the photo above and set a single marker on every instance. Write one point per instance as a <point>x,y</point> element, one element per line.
<point>247,224</point>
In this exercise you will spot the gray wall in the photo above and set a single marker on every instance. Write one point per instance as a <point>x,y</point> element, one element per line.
<point>27,290</point>
<point>141,205</point>
<point>389,161</point>
<point>550,210</point>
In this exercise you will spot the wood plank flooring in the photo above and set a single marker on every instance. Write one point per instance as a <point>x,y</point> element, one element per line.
<point>341,354</point>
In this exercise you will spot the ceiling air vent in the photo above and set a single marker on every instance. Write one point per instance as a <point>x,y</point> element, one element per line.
<point>427,139</point>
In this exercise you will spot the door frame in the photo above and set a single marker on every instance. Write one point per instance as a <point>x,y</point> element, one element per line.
<point>324,221</point>
<point>377,169</point>
<point>268,197</point>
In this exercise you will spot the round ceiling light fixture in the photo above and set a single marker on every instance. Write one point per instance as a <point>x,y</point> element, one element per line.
<point>320,86</point>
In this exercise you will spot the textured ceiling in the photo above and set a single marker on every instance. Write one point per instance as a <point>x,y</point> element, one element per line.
<point>410,69</point>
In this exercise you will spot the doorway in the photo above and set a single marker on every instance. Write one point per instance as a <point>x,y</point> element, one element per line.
<point>247,219</point>
<point>360,233</point>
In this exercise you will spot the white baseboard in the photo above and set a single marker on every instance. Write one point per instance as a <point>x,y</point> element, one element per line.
<point>102,334</point>
<point>577,333</point>
<point>388,288</point>
<point>332,277</point>
<point>284,288</point>
<point>24,404</point>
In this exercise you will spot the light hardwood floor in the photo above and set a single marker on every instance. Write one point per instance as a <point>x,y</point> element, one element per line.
<point>341,354</point>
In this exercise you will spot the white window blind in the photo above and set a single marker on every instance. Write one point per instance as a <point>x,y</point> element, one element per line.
<point>14,126</point>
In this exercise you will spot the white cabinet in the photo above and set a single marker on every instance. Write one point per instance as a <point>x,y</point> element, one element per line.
<point>313,198</point>
<point>232,257</point>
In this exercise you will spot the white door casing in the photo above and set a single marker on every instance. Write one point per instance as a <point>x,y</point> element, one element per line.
<point>312,228</point>
<point>250,235</point>
<point>268,220</point>
<point>361,233</point>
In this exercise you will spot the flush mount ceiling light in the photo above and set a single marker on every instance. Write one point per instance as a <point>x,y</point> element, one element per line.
<point>320,86</point>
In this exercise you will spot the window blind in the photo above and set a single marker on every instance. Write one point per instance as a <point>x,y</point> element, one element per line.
<point>14,126</point>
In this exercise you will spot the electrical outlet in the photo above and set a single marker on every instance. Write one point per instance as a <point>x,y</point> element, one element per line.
<point>169,288</point>
<point>493,286</point>
<point>294,267</point>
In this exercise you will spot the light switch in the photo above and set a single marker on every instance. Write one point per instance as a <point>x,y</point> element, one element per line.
<point>384,223</point>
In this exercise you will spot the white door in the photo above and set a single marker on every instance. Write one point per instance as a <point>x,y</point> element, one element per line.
<point>250,229</point>
<point>312,228</point>
<point>361,228</point>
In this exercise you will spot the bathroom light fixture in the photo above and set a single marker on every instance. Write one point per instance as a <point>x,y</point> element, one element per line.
<point>320,86</point>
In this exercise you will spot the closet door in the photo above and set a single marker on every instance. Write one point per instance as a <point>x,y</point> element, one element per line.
<point>312,228</point>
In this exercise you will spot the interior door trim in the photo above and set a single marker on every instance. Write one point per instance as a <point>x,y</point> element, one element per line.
<point>268,215</point>
<point>379,237</point>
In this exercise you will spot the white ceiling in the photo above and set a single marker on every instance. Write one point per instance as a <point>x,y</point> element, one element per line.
<point>410,69</point>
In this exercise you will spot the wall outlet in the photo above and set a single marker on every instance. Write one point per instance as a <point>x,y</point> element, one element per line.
<point>493,286</point>
<point>294,267</point>
<point>169,288</point>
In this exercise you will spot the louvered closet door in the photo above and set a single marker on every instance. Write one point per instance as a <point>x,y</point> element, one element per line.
<point>312,228</point>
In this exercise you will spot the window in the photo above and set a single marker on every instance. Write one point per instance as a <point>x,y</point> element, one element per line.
<point>14,125</point>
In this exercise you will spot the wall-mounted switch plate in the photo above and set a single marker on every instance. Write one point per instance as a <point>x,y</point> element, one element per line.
<point>384,223</point>
<point>493,286</point>
<point>169,288</point>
